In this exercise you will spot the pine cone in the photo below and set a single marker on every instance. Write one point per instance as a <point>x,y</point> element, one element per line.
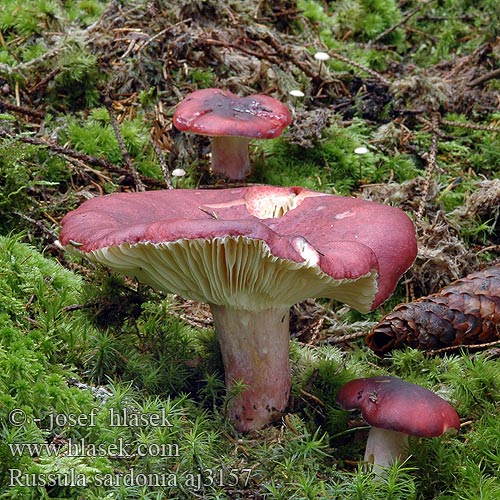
<point>466,312</point>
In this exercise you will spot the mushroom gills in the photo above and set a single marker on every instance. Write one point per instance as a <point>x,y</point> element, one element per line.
<point>222,271</point>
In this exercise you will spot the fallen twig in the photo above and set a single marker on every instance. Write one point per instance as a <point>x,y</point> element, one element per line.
<point>44,81</point>
<point>85,158</point>
<point>451,348</point>
<point>52,234</point>
<point>472,126</point>
<point>484,78</point>
<point>139,185</point>
<point>163,164</point>
<point>401,22</point>
<point>357,65</point>
<point>275,57</point>
<point>340,339</point>
<point>431,164</point>
<point>20,109</point>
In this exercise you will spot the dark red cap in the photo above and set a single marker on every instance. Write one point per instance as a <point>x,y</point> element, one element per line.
<point>217,112</point>
<point>394,404</point>
<point>283,244</point>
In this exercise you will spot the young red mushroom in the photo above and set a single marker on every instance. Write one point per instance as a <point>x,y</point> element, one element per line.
<point>250,253</point>
<point>396,409</point>
<point>232,122</point>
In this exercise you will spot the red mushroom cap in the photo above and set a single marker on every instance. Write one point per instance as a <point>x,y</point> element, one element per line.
<point>217,112</point>
<point>260,245</point>
<point>394,404</point>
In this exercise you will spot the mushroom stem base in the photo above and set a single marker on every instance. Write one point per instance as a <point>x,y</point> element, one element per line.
<point>255,352</point>
<point>384,447</point>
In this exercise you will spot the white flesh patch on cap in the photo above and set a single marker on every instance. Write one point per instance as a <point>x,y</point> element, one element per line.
<point>236,272</point>
<point>269,204</point>
<point>307,251</point>
<point>273,206</point>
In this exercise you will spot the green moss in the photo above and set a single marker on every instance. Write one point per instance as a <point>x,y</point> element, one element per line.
<point>75,86</point>
<point>204,78</point>
<point>157,354</point>
<point>33,343</point>
<point>29,176</point>
<point>96,137</point>
<point>363,19</point>
<point>332,164</point>
<point>85,11</point>
<point>324,23</point>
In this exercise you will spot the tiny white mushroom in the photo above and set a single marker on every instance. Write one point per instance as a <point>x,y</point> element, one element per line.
<point>362,150</point>
<point>178,172</point>
<point>321,56</point>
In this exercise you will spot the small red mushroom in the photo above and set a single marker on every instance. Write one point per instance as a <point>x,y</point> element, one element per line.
<point>231,121</point>
<point>396,409</point>
<point>250,253</point>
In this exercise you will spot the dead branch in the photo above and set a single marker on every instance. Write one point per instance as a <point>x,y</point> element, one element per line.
<point>431,164</point>
<point>484,78</point>
<point>357,65</point>
<point>85,158</point>
<point>129,164</point>
<point>20,109</point>
<point>272,56</point>
<point>472,126</point>
<point>401,22</point>
<point>163,164</point>
<point>455,348</point>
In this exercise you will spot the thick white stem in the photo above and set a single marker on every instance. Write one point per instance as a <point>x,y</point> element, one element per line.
<point>230,156</point>
<point>255,351</point>
<point>383,447</point>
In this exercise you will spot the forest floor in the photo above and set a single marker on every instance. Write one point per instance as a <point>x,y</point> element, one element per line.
<point>404,110</point>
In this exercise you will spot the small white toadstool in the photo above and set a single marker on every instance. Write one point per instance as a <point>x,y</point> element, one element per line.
<point>396,409</point>
<point>178,172</point>
<point>231,121</point>
<point>250,253</point>
<point>362,150</point>
<point>321,56</point>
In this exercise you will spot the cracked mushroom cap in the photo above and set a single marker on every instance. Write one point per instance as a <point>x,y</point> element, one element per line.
<point>250,248</point>
<point>397,405</point>
<point>216,112</point>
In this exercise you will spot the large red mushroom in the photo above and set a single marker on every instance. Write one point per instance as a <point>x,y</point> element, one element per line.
<point>231,121</point>
<point>396,409</point>
<point>250,253</point>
